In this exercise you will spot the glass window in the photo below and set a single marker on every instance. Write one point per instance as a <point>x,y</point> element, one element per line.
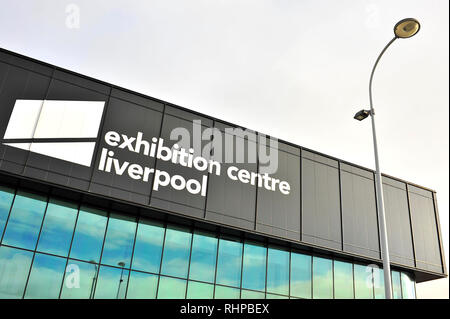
<point>119,241</point>
<point>254,270</point>
<point>322,278</point>
<point>142,286</point>
<point>14,269</point>
<point>198,290</point>
<point>248,294</point>
<point>227,293</point>
<point>363,282</point>
<point>6,198</point>
<point>408,286</point>
<point>171,288</point>
<point>229,263</point>
<point>111,283</point>
<point>79,280</point>
<point>300,275</point>
<point>25,220</point>
<point>203,258</point>
<point>378,282</point>
<point>278,271</point>
<point>46,277</point>
<point>148,246</point>
<point>271,296</point>
<point>58,227</point>
<point>343,280</point>
<point>396,285</point>
<point>176,252</point>
<point>89,234</point>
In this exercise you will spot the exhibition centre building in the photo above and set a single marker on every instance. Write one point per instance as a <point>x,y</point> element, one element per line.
<point>107,193</point>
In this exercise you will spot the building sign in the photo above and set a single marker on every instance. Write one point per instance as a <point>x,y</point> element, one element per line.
<point>68,130</point>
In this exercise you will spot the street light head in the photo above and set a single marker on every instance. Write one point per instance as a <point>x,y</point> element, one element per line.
<point>406,28</point>
<point>361,115</point>
<point>121,264</point>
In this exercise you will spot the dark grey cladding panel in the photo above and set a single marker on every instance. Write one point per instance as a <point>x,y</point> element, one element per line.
<point>398,224</point>
<point>230,201</point>
<point>321,218</point>
<point>277,213</point>
<point>60,90</point>
<point>357,171</point>
<point>394,183</point>
<point>266,141</point>
<point>168,198</point>
<point>126,118</point>
<point>82,82</point>
<point>26,64</point>
<point>232,129</point>
<point>63,90</point>
<point>426,241</point>
<point>320,159</point>
<point>188,116</point>
<point>17,83</point>
<point>359,212</point>
<point>137,99</point>
<point>11,167</point>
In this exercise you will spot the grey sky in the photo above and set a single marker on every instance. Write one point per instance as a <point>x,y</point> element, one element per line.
<point>297,70</point>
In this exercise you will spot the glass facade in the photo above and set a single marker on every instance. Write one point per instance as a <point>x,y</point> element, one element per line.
<point>53,248</point>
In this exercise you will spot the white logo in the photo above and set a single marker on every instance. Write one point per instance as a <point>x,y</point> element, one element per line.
<point>65,130</point>
<point>68,130</point>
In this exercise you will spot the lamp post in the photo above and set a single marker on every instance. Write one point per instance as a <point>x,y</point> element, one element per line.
<point>405,28</point>
<point>91,296</point>
<point>121,264</point>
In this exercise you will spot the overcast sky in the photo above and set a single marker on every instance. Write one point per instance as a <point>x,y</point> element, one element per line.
<point>294,69</point>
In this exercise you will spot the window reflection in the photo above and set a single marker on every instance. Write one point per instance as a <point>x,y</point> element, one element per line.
<point>396,285</point>
<point>229,263</point>
<point>111,283</point>
<point>408,287</point>
<point>248,294</point>
<point>6,198</point>
<point>82,279</point>
<point>272,296</point>
<point>254,270</point>
<point>203,258</point>
<point>226,293</point>
<point>343,280</point>
<point>119,241</point>
<point>322,278</point>
<point>171,288</point>
<point>148,247</point>
<point>142,286</point>
<point>79,280</point>
<point>58,227</point>
<point>300,275</point>
<point>45,277</point>
<point>176,252</point>
<point>25,220</point>
<point>14,268</point>
<point>363,282</point>
<point>378,282</point>
<point>89,234</point>
<point>278,271</point>
<point>198,290</point>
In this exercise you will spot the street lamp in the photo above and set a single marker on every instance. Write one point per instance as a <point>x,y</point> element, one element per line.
<point>405,28</point>
<point>361,115</point>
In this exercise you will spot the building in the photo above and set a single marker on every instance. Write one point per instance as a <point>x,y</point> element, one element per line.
<point>89,209</point>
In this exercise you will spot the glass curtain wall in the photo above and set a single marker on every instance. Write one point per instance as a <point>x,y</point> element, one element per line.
<point>53,248</point>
